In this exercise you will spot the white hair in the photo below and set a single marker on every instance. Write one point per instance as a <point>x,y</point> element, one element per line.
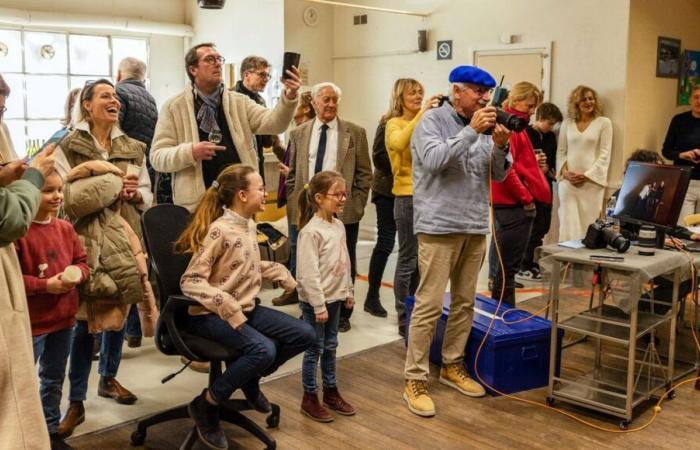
<point>460,85</point>
<point>132,68</point>
<point>320,86</point>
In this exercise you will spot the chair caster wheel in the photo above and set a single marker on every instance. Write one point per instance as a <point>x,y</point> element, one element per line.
<point>273,420</point>
<point>671,395</point>
<point>138,438</point>
<point>550,401</point>
<point>624,425</point>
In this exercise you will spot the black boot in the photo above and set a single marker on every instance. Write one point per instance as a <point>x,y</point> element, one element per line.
<point>256,399</point>
<point>374,307</point>
<point>58,443</point>
<point>206,419</point>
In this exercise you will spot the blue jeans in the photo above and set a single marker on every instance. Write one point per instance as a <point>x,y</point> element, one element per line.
<point>266,341</point>
<point>51,350</point>
<point>81,358</point>
<point>133,323</point>
<point>324,347</point>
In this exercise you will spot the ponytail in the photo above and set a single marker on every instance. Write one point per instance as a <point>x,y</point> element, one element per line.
<point>220,195</point>
<point>307,207</point>
<point>321,183</point>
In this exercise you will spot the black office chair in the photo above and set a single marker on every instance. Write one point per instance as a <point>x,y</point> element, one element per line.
<point>161,226</point>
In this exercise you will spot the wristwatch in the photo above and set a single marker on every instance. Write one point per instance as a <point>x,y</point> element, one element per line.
<point>505,148</point>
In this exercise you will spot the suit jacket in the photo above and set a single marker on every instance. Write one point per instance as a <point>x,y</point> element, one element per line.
<point>353,162</point>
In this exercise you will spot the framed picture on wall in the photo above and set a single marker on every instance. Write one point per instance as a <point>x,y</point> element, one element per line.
<point>668,53</point>
<point>690,75</point>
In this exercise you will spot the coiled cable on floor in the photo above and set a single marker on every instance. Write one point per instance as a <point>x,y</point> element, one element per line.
<point>657,407</point>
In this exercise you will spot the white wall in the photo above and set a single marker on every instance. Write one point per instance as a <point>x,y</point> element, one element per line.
<point>314,43</point>
<point>651,101</point>
<point>166,71</point>
<point>158,10</point>
<point>241,28</point>
<point>589,47</point>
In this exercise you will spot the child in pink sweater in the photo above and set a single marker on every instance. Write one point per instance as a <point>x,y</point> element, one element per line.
<point>225,275</point>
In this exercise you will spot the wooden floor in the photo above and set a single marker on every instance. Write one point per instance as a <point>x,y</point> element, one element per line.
<point>373,383</point>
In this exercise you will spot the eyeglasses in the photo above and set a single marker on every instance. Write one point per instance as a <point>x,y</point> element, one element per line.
<point>264,75</point>
<point>211,59</point>
<point>338,195</point>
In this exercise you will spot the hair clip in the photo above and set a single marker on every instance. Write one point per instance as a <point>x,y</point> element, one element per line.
<point>306,186</point>
<point>215,184</point>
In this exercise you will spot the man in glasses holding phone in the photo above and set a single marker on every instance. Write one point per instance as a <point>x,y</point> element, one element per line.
<point>255,74</point>
<point>206,128</point>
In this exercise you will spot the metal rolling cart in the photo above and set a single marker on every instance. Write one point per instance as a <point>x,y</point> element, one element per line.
<point>616,383</point>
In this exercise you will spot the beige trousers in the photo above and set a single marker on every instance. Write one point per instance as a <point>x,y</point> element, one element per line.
<point>453,257</point>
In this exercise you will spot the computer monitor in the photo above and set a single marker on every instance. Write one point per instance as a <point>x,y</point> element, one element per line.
<point>652,194</point>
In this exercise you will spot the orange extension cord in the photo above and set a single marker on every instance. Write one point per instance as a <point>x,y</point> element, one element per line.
<point>657,408</point>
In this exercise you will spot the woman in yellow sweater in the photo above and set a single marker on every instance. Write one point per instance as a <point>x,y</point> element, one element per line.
<point>405,111</point>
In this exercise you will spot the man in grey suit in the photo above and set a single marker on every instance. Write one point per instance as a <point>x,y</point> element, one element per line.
<point>329,143</point>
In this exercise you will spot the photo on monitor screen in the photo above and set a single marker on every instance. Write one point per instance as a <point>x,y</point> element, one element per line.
<point>652,194</point>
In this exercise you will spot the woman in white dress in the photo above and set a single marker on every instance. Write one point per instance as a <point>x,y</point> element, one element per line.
<point>583,157</point>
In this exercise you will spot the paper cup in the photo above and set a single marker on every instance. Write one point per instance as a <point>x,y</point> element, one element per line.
<point>132,169</point>
<point>72,274</point>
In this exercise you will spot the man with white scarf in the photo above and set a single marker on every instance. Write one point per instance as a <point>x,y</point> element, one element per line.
<point>206,128</point>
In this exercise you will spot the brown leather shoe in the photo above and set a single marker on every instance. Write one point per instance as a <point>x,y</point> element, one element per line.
<point>74,416</point>
<point>288,298</point>
<point>333,400</point>
<point>311,407</point>
<point>133,341</point>
<point>109,387</point>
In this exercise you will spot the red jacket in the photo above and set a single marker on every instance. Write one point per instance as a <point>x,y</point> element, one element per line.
<point>524,182</point>
<point>43,252</point>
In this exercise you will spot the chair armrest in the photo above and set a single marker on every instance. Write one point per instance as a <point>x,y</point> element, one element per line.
<point>174,307</point>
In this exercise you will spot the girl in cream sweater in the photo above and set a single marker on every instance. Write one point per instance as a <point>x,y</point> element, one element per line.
<point>323,273</point>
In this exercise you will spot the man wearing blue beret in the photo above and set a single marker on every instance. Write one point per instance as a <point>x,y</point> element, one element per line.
<point>453,161</point>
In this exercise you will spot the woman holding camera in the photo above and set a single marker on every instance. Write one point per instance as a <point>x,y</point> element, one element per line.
<point>405,111</point>
<point>517,199</point>
<point>583,157</point>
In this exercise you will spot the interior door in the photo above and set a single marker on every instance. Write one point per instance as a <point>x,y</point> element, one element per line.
<point>514,67</point>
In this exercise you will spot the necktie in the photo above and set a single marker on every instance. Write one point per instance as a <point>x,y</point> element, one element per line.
<point>321,153</point>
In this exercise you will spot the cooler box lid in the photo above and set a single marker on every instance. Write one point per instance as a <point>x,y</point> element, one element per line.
<point>501,332</point>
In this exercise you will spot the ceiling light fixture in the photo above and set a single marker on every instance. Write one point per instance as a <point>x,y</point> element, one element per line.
<point>211,4</point>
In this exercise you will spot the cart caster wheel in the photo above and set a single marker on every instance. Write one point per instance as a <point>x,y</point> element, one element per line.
<point>550,401</point>
<point>625,425</point>
<point>138,438</point>
<point>273,420</point>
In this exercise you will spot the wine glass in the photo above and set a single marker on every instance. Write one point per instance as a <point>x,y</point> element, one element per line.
<point>215,136</point>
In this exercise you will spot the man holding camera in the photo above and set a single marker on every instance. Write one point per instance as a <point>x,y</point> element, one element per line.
<point>453,162</point>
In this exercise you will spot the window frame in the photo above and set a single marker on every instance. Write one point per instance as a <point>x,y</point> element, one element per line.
<point>25,118</point>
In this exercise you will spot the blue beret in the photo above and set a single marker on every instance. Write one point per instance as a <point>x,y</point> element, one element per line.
<point>473,75</point>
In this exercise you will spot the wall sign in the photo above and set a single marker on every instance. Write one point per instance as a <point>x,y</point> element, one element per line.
<point>444,50</point>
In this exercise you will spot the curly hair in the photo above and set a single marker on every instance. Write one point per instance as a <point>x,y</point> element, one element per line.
<point>575,99</point>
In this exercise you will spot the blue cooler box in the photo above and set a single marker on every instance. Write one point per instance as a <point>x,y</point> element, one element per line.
<point>514,357</point>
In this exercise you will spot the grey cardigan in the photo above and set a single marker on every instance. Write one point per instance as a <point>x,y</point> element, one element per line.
<point>450,174</point>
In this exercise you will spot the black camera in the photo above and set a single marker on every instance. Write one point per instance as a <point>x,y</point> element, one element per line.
<point>601,235</point>
<point>510,121</point>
